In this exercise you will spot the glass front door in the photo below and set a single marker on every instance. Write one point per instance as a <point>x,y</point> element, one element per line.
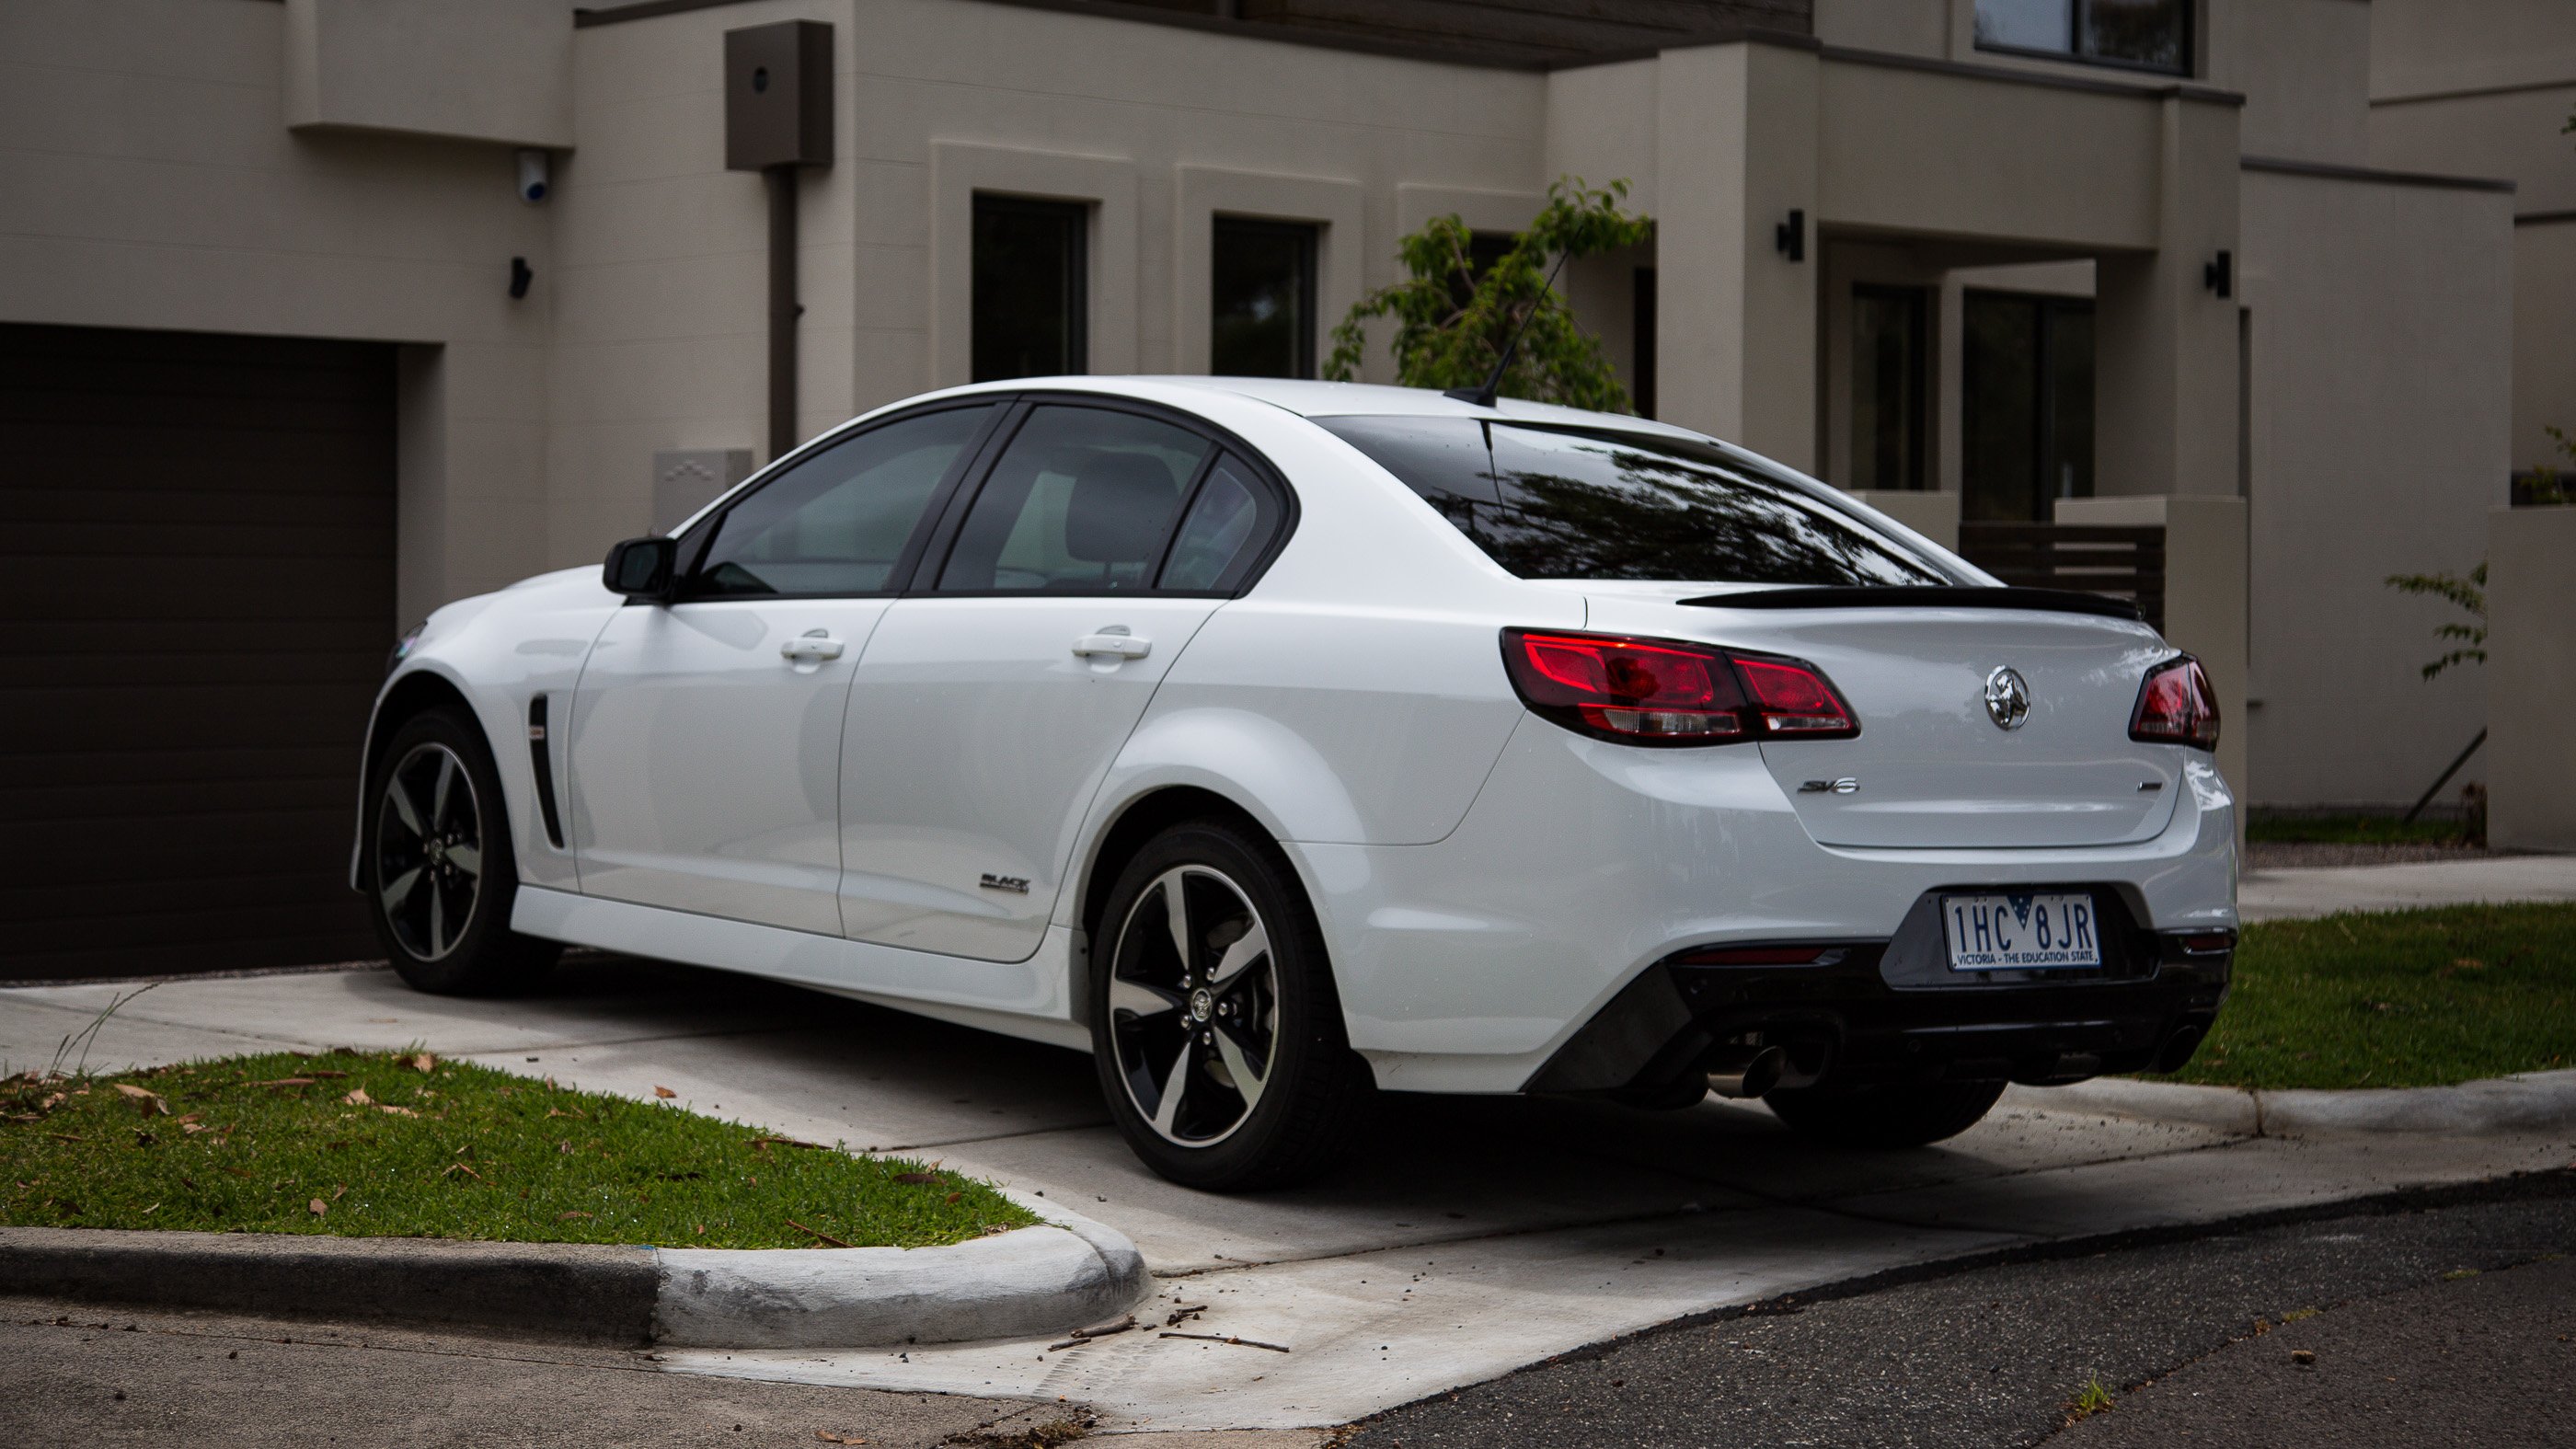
<point>2027,406</point>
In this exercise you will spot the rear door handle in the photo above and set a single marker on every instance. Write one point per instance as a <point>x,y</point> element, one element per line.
<point>1113,646</point>
<point>812,647</point>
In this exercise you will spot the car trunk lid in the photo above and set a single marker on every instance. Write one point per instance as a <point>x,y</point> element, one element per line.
<point>1933,766</point>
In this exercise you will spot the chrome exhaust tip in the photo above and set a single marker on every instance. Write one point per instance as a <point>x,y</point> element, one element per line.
<point>1756,1077</point>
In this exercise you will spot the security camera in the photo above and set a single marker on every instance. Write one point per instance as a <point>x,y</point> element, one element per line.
<point>532,176</point>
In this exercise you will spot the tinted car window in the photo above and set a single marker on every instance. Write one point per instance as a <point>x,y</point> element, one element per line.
<point>1563,503</point>
<point>1080,502</point>
<point>1229,523</point>
<point>837,522</point>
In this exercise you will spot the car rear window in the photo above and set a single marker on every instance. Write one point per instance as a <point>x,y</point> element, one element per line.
<point>1571,503</point>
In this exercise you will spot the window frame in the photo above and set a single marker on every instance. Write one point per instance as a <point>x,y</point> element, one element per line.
<point>698,538</point>
<point>933,560</point>
<point>2188,70</point>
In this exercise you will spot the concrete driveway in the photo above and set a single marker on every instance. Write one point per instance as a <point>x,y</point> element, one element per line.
<point>1469,1236</point>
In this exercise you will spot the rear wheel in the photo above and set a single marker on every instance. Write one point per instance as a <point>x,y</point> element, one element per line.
<point>437,867</point>
<point>1888,1116</point>
<point>1215,1027</point>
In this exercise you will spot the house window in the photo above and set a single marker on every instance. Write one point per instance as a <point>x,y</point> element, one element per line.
<point>2144,34</point>
<point>1031,292</point>
<point>1887,387</point>
<point>1262,312</point>
<point>2026,406</point>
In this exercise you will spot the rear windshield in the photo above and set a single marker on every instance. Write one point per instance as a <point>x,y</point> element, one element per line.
<point>1566,503</point>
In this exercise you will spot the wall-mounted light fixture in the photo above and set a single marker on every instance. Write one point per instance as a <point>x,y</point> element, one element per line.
<point>2219,274</point>
<point>1791,236</point>
<point>521,274</point>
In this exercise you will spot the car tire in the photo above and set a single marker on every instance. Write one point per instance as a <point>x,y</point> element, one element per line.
<point>435,863</point>
<point>1181,1011</point>
<point>1887,1116</point>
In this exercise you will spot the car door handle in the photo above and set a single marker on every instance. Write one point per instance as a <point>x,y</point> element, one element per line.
<point>811,647</point>
<point>1114,646</point>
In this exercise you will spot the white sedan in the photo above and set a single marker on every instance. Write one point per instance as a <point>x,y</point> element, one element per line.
<point>1278,742</point>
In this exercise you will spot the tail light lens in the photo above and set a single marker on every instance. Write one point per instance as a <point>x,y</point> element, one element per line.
<point>1659,692</point>
<point>2176,706</point>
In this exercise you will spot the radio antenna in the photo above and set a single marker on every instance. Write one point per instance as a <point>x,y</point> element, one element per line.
<point>1485,396</point>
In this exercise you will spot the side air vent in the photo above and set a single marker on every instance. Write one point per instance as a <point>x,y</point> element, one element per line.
<point>543,762</point>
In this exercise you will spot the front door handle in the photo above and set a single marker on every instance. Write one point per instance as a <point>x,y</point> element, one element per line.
<point>811,648</point>
<point>1111,646</point>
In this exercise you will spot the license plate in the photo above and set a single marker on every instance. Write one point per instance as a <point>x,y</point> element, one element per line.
<point>2021,933</point>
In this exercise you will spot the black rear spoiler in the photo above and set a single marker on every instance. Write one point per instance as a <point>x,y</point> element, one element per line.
<point>1942,596</point>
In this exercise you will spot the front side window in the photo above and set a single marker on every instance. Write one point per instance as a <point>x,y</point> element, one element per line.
<point>1081,502</point>
<point>2147,34</point>
<point>1031,301</point>
<point>1568,503</point>
<point>1262,307</point>
<point>837,522</point>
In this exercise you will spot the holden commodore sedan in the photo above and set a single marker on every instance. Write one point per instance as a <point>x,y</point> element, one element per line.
<point>1282,742</point>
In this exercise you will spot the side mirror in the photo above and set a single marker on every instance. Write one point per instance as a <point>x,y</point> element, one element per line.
<point>642,569</point>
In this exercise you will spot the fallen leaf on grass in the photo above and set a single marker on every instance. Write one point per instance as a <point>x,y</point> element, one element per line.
<point>567,1217</point>
<point>319,1072</point>
<point>559,1112</point>
<point>952,1198</point>
<point>285,1082</point>
<point>457,1167</point>
<point>66,1137</point>
<point>397,1111</point>
<point>761,1144</point>
<point>339,1192</point>
<point>150,1103</point>
<point>420,1062</point>
<point>664,1092</point>
<point>235,1171</point>
<point>316,1207</point>
<point>826,1237</point>
<point>358,1098</point>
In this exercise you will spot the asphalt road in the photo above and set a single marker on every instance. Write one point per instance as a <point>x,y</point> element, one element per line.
<point>2433,1320</point>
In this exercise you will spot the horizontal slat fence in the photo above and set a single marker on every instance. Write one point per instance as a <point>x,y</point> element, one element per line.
<point>2123,562</point>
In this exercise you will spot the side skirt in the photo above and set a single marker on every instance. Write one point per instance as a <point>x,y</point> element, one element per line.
<point>1025,999</point>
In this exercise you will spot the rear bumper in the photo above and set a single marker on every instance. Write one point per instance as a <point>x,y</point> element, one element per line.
<point>1869,1013</point>
<point>1469,964</point>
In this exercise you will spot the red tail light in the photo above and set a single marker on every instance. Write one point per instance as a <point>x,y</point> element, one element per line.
<point>1660,692</point>
<point>2176,706</point>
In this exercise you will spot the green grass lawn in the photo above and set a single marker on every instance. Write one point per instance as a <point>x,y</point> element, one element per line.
<point>2398,999</point>
<point>2261,829</point>
<point>376,1145</point>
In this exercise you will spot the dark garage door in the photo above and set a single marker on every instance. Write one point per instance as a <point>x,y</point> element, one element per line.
<point>196,597</point>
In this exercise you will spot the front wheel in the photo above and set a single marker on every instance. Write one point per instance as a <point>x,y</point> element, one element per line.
<point>1214,1024</point>
<point>437,867</point>
<point>1888,1116</point>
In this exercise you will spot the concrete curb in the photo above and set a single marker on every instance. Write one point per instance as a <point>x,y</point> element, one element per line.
<point>1048,1279</point>
<point>2530,1102</point>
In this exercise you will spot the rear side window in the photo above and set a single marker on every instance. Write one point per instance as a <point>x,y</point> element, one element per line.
<point>1229,524</point>
<point>837,522</point>
<point>1565,503</point>
<point>1082,502</point>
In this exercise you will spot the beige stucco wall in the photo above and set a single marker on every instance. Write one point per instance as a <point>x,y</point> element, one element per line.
<point>1158,129</point>
<point>481,70</point>
<point>2381,395</point>
<point>148,179</point>
<point>2484,88</point>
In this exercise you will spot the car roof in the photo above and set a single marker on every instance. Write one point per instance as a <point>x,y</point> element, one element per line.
<point>1367,399</point>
